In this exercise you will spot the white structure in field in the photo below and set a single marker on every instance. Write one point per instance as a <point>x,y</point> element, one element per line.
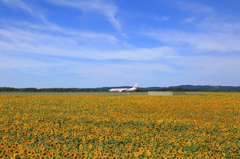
<point>160,93</point>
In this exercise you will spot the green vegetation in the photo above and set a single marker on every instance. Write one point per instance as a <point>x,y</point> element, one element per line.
<point>106,89</point>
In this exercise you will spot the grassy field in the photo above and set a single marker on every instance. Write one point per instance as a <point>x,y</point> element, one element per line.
<point>65,126</point>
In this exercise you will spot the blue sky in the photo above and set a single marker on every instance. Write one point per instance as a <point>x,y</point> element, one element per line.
<point>97,43</point>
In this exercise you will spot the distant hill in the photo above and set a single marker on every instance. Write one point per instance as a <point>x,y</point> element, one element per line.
<point>210,87</point>
<point>199,87</point>
<point>182,87</point>
<point>171,88</point>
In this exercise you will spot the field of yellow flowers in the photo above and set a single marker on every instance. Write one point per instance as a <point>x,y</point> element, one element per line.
<point>55,126</point>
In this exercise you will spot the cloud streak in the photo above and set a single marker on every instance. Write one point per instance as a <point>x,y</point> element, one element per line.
<point>20,4</point>
<point>107,8</point>
<point>85,69</point>
<point>86,44</point>
<point>194,7</point>
<point>212,41</point>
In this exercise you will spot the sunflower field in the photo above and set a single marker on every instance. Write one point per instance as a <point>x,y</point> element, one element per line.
<point>59,126</point>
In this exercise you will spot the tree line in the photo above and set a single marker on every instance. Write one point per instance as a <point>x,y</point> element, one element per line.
<point>177,89</point>
<point>10,89</point>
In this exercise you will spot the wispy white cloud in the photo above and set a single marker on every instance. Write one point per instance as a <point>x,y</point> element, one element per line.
<point>205,41</point>
<point>85,69</point>
<point>20,4</point>
<point>189,20</point>
<point>209,64</point>
<point>130,70</point>
<point>33,11</point>
<point>107,8</point>
<point>185,65</point>
<point>164,18</point>
<point>220,25</point>
<point>211,18</point>
<point>211,32</point>
<point>142,16</point>
<point>81,44</point>
<point>8,61</point>
<point>195,7</point>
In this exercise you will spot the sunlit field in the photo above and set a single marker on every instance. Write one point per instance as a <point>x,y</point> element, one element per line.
<point>58,126</point>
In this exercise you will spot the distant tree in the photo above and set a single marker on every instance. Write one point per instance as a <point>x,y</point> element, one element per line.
<point>8,89</point>
<point>30,90</point>
<point>140,90</point>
